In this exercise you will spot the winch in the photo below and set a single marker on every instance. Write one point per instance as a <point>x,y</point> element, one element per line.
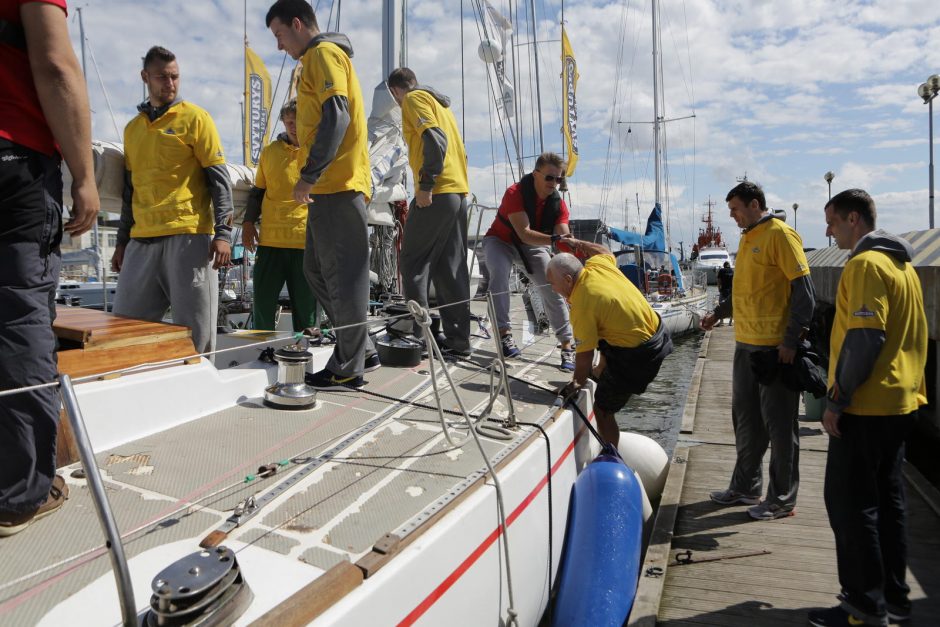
<point>290,391</point>
<point>205,588</point>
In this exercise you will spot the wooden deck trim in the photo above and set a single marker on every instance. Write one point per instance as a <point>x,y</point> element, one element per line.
<point>649,590</point>
<point>691,401</point>
<point>312,600</point>
<point>388,546</point>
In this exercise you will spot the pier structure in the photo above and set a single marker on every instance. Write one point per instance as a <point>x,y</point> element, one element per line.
<point>713,565</point>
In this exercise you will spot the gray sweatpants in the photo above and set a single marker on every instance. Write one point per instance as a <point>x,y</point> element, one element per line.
<point>499,259</point>
<point>435,250</point>
<point>172,272</point>
<point>762,415</point>
<point>336,264</point>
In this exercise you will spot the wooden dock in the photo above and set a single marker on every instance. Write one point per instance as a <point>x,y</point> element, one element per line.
<point>713,565</point>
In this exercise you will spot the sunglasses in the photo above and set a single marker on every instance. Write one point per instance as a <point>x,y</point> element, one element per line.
<point>549,178</point>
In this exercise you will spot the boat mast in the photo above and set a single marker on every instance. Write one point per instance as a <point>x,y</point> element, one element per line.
<point>99,266</point>
<point>538,82</point>
<point>657,120</point>
<point>393,50</point>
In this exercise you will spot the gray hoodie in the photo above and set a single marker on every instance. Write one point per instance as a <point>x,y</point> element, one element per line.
<point>861,347</point>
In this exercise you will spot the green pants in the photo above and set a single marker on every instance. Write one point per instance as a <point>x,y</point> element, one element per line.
<point>274,267</point>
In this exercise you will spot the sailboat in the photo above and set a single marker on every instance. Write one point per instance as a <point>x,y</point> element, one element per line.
<point>646,259</point>
<point>437,494</point>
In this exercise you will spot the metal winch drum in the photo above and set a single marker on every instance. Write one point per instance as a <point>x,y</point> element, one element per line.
<point>291,390</point>
<point>205,588</point>
<point>398,352</point>
<point>398,348</point>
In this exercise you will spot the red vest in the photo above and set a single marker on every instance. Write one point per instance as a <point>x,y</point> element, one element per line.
<point>21,117</point>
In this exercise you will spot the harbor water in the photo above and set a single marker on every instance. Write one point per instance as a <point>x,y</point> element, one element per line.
<point>657,413</point>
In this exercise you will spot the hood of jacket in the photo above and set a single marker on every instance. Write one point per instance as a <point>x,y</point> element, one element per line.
<point>441,98</point>
<point>339,39</point>
<point>888,243</point>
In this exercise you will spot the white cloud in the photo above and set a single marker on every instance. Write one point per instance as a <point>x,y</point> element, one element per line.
<point>781,91</point>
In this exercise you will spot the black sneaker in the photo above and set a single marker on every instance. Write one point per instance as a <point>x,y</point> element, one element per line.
<point>898,613</point>
<point>326,380</point>
<point>371,363</point>
<point>836,617</point>
<point>456,352</point>
<point>509,346</point>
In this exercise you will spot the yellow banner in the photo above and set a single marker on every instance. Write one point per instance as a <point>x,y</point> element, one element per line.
<point>257,107</point>
<point>569,82</point>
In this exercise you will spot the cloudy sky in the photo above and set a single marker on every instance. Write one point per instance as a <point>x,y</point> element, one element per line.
<point>782,91</point>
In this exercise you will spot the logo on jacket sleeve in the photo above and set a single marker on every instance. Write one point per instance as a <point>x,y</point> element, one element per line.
<point>169,131</point>
<point>864,312</point>
<point>327,85</point>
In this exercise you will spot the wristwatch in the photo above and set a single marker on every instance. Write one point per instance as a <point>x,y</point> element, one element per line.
<point>555,238</point>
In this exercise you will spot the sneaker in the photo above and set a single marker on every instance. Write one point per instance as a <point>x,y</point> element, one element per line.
<point>837,617</point>
<point>509,346</point>
<point>11,523</point>
<point>372,363</point>
<point>769,511</point>
<point>898,613</point>
<point>326,380</point>
<point>567,359</point>
<point>455,352</point>
<point>730,497</point>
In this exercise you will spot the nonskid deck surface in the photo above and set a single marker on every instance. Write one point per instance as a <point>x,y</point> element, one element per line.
<point>181,483</point>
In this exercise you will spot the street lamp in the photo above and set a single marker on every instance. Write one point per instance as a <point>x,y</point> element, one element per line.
<point>928,91</point>
<point>795,206</point>
<point>829,176</point>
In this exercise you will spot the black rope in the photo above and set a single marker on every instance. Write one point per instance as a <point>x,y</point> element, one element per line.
<point>548,473</point>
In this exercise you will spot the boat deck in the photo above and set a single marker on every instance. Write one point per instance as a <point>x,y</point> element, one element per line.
<point>389,469</point>
<point>745,572</point>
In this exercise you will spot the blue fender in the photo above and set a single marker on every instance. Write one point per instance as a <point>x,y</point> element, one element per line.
<point>600,562</point>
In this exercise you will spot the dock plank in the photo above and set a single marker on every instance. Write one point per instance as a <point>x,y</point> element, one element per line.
<point>800,572</point>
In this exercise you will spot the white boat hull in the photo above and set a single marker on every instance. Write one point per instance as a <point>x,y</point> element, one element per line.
<point>682,315</point>
<point>449,570</point>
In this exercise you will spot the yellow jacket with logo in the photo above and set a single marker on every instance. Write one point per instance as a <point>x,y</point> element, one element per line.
<point>166,158</point>
<point>881,291</point>
<point>327,72</point>
<point>283,221</point>
<point>422,110</point>
<point>606,305</point>
<point>770,255</point>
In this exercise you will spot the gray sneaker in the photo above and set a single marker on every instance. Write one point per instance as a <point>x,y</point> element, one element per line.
<point>730,497</point>
<point>769,511</point>
<point>567,359</point>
